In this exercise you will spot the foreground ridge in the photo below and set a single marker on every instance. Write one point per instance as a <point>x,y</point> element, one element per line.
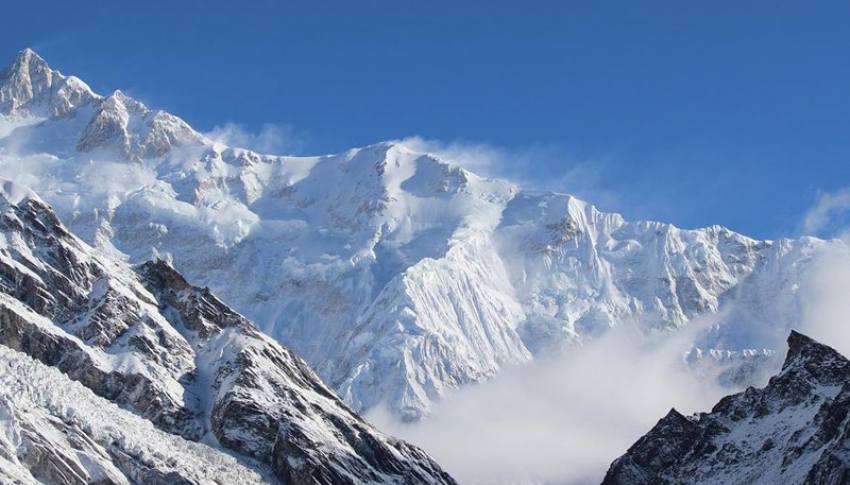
<point>796,430</point>
<point>182,365</point>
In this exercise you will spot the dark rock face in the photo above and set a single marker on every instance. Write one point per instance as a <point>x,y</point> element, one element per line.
<point>174,354</point>
<point>796,430</point>
<point>132,390</point>
<point>67,309</point>
<point>301,427</point>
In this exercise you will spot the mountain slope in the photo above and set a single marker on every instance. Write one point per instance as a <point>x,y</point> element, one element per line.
<point>57,431</point>
<point>796,430</point>
<point>173,354</point>
<point>397,275</point>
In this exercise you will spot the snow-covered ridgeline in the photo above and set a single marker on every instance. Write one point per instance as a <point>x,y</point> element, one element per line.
<point>397,275</point>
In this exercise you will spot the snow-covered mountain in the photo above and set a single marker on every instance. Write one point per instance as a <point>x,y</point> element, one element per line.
<point>399,276</point>
<point>796,430</point>
<point>82,334</point>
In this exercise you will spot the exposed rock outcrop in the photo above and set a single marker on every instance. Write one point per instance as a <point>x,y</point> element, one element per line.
<point>796,430</point>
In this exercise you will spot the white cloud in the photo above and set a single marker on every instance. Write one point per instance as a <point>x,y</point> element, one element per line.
<point>565,420</point>
<point>6,127</point>
<point>826,285</point>
<point>824,297</point>
<point>828,207</point>
<point>273,139</point>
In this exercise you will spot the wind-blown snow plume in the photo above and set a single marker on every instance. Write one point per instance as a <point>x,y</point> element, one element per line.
<point>543,167</point>
<point>270,138</point>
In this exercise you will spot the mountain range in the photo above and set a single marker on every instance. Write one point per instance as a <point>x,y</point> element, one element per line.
<point>399,276</point>
<point>159,290</point>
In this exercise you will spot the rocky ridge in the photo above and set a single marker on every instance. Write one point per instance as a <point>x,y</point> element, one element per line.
<point>796,430</point>
<point>174,356</point>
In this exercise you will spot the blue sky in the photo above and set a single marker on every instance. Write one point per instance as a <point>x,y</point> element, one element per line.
<point>697,113</point>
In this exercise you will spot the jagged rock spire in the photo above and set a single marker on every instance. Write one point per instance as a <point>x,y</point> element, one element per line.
<point>814,362</point>
<point>801,346</point>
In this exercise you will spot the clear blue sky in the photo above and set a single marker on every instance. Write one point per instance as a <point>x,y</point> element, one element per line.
<point>727,112</point>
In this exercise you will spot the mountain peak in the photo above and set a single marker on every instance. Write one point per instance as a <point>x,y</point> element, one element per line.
<point>27,67</point>
<point>162,273</point>
<point>24,62</point>
<point>797,344</point>
<point>24,79</point>
<point>803,350</point>
<point>27,55</point>
<point>739,439</point>
<point>29,86</point>
<point>123,122</point>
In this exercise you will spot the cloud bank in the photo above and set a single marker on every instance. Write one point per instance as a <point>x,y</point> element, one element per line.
<point>826,298</point>
<point>562,420</point>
